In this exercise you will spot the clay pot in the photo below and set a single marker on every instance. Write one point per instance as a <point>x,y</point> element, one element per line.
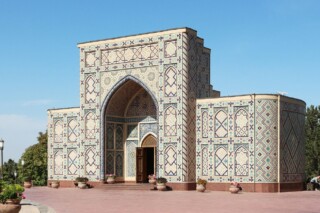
<point>152,181</point>
<point>55,184</point>
<point>82,185</point>
<point>234,189</point>
<point>9,208</point>
<point>111,180</point>
<point>27,184</point>
<point>201,188</point>
<point>13,201</point>
<point>161,186</point>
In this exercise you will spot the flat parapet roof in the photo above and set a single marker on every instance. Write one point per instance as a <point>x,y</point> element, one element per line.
<point>134,36</point>
<point>68,109</point>
<point>257,96</point>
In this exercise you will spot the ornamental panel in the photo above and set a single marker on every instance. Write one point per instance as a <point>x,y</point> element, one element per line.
<point>129,54</point>
<point>131,158</point>
<point>90,59</point>
<point>221,160</point>
<point>58,162</point>
<point>241,158</point>
<point>73,131</point>
<point>205,123</point>
<point>90,88</point>
<point>119,137</point>
<point>170,121</point>
<point>241,121</point>
<point>170,82</point>
<point>90,160</point>
<point>221,123</point>
<point>170,49</point>
<point>90,125</point>
<point>110,162</point>
<point>58,132</point>
<point>170,161</point>
<point>119,164</point>
<point>72,162</point>
<point>205,160</point>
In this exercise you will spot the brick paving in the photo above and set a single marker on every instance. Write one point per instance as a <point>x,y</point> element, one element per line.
<point>99,200</point>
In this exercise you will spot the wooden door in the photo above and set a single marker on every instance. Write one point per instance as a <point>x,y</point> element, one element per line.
<point>140,165</point>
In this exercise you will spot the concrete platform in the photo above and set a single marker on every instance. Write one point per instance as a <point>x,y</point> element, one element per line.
<point>98,200</point>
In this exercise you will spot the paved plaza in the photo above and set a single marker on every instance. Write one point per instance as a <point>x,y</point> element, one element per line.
<point>99,200</point>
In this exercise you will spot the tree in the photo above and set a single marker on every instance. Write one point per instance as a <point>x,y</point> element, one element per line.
<point>8,171</point>
<point>35,161</point>
<point>312,133</point>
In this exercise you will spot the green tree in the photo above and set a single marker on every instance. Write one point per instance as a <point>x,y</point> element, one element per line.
<point>312,133</point>
<point>8,171</point>
<point>35,161</point>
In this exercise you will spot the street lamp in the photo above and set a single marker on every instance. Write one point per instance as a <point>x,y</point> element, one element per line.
<point>1,149</point>
<point>22,165</point>
<point>15,176</point>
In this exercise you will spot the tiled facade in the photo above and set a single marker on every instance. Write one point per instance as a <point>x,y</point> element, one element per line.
<point>245,137</point>
<point>158,84</point>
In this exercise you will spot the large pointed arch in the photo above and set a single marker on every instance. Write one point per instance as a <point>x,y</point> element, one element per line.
<point>103,112</point>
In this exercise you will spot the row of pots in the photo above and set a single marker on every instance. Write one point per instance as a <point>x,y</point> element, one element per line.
<point>199,188</point>
<point>160,186</point>
<point>56,184</point>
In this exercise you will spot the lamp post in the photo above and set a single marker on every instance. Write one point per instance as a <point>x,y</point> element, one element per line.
<point>15,176</point>
<point>22,171</point>
<point>1,149</point>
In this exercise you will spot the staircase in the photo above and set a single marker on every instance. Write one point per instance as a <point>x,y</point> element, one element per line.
<point>126,186</point>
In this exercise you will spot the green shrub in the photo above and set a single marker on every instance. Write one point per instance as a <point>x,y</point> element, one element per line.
<point>11,191</point>
<point>82,179</point>
<point>202,182</point>
<point>162,180</point>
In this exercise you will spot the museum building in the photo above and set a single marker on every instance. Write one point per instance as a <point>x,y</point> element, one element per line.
<point>147,107</point>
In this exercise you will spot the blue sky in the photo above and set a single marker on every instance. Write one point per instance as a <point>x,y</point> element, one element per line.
<point>262,46</point>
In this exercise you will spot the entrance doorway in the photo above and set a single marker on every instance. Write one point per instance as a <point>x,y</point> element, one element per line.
<point>146,155</point>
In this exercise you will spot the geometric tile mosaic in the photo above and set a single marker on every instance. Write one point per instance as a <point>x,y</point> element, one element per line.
<point>131,158</point>
<point>73,131</point>
<point>119,164</point>
<point>221,160</point>
<point>58,131</point>
<point>170,160</point>
<point>90,59</point>
<point>241,156</point>
<point>90,160</point>
<point>142,105</point>
<point>147,128</point>
<point>170,48</point>
<point>170,82</point>
<point>292,143</point>
<point>132,131</point>
<point>241,121</point>
<point>131,54</point>
<point>58,162</point>
<point>170,121</point>
<point>205,123</point>
<point>221,123</point>
<point>205,160</point>
<point>72,162</point>
<point>90,125</point>
<point>90,90</point>
<point>266,156</point>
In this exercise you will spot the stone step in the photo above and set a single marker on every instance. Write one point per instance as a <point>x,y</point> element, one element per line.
<point>126,186</point>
